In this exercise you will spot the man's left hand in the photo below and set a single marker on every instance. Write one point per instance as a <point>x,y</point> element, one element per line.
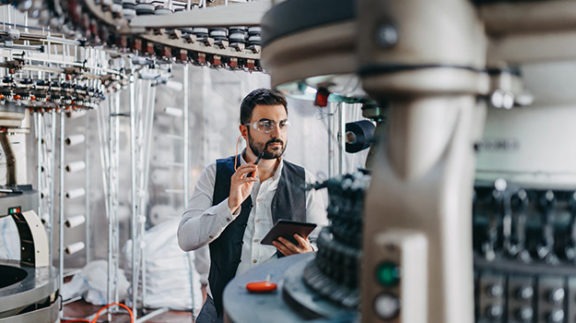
<point>288,248</point>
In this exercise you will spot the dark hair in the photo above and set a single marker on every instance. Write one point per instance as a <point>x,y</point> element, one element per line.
<point>260,97</point>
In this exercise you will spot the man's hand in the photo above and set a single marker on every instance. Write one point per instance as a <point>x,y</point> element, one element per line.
<point>241,186</point>
<point>287,248</point>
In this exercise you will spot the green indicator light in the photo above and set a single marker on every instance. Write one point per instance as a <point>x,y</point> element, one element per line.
<point>388,274</point>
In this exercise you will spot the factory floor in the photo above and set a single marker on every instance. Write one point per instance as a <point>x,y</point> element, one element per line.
<point>78,312</point>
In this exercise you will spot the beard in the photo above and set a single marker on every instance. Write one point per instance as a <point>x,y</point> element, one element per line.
<point>258,148</point>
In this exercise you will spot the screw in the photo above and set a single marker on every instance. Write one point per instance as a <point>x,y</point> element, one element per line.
<point>387,35</point>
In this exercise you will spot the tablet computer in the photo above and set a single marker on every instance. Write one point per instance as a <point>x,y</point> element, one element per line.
<point>286,229</point>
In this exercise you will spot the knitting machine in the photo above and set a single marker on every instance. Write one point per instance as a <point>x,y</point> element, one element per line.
<point>42,75</point>
<point>446,239</point>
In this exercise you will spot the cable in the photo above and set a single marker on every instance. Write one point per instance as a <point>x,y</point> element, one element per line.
<point>101,310</point>
<point>97,315</point>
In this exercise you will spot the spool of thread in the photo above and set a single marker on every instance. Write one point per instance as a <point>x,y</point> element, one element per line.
<point>359,135</point>
<point>75,166</point>
<point>77,114</point>
<point>175,112</point>
<point>74,140</point>
<point>75,193</point>
<point>75,221</point>
<point>74,247</point>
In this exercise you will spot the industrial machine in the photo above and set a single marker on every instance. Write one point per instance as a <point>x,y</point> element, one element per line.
<point>469,215</point>
<point>29,287</point>
<point>29,290</point>
<point>41,78</point>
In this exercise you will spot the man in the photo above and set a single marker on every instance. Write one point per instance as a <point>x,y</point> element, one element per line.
<point>237,200</point>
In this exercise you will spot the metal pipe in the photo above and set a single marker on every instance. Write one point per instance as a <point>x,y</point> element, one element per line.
<point>10,159</point>
<point>148,126</point>
<point>342,137</point>
<point>152,314</point>
<point>61,201</point>
<point>88,232</point>
<point>113,242</point>
<point>51,173</point>
<point>116,185</point>
<point>134,159</point>
<point>186,172</point>
<point>330,143</point>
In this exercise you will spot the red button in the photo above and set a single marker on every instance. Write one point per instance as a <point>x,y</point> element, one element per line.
<point>261,287</point>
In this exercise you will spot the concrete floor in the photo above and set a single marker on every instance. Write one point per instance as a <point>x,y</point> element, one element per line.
<point>79,311</point>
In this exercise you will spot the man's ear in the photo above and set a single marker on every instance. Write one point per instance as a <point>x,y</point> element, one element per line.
<point>243,131</point>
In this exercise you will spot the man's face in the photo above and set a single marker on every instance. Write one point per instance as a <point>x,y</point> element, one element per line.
<point>267,131</point>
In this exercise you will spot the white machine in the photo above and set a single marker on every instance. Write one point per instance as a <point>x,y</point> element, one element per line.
<point>29,288</point>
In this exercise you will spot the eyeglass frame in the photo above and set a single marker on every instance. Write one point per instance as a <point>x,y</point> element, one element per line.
<point>282,125</point>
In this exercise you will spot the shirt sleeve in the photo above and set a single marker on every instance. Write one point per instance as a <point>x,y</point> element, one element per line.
<point>202,222</point>
<point>316,207</point>
<point>202,263</point>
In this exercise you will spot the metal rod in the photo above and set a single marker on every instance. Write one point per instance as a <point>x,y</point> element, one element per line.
<point>87,173</point>
<point>39,161</point>
<point>113,181</point>
<point>134,159</point>
<point>116,185</point>
<point>186,141</point>
<point>152,314</point>
<point>330,140</point>
<point>186,179</point>
<point>148,127</point>
<point>51,173</point>
<point>61,201</point>
<point>342,137</point>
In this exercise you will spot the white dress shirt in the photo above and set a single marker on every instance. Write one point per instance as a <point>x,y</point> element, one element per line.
<point>202,222</point>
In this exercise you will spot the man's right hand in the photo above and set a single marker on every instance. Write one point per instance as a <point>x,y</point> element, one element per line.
<point>241,185</point>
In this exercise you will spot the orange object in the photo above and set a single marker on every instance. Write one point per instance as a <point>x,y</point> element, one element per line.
<point>261,287</point>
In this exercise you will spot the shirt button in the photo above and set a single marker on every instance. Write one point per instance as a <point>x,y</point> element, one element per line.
<point>228,219</point>
<point>256,240</point>
<point>211,237</point>
<point>254,261</point>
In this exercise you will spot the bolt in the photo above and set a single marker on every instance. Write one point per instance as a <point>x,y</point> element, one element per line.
<point>387,35</point>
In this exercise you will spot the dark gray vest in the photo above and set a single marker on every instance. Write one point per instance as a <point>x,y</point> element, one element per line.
<point>288,203</point>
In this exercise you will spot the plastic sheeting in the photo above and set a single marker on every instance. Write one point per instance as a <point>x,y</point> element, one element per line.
<point>9,239</point>
<point>168,270</point>
<point>91,282</point>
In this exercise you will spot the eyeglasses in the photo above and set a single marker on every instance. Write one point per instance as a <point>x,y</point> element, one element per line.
<point>267,125</point>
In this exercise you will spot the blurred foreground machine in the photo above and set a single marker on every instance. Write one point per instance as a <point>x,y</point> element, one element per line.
<point>445,240</point>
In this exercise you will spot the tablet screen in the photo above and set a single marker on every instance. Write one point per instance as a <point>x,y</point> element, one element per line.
<point>287,229</point>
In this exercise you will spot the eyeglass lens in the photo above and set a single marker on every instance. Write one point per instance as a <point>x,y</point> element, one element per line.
<point>266,125</point>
